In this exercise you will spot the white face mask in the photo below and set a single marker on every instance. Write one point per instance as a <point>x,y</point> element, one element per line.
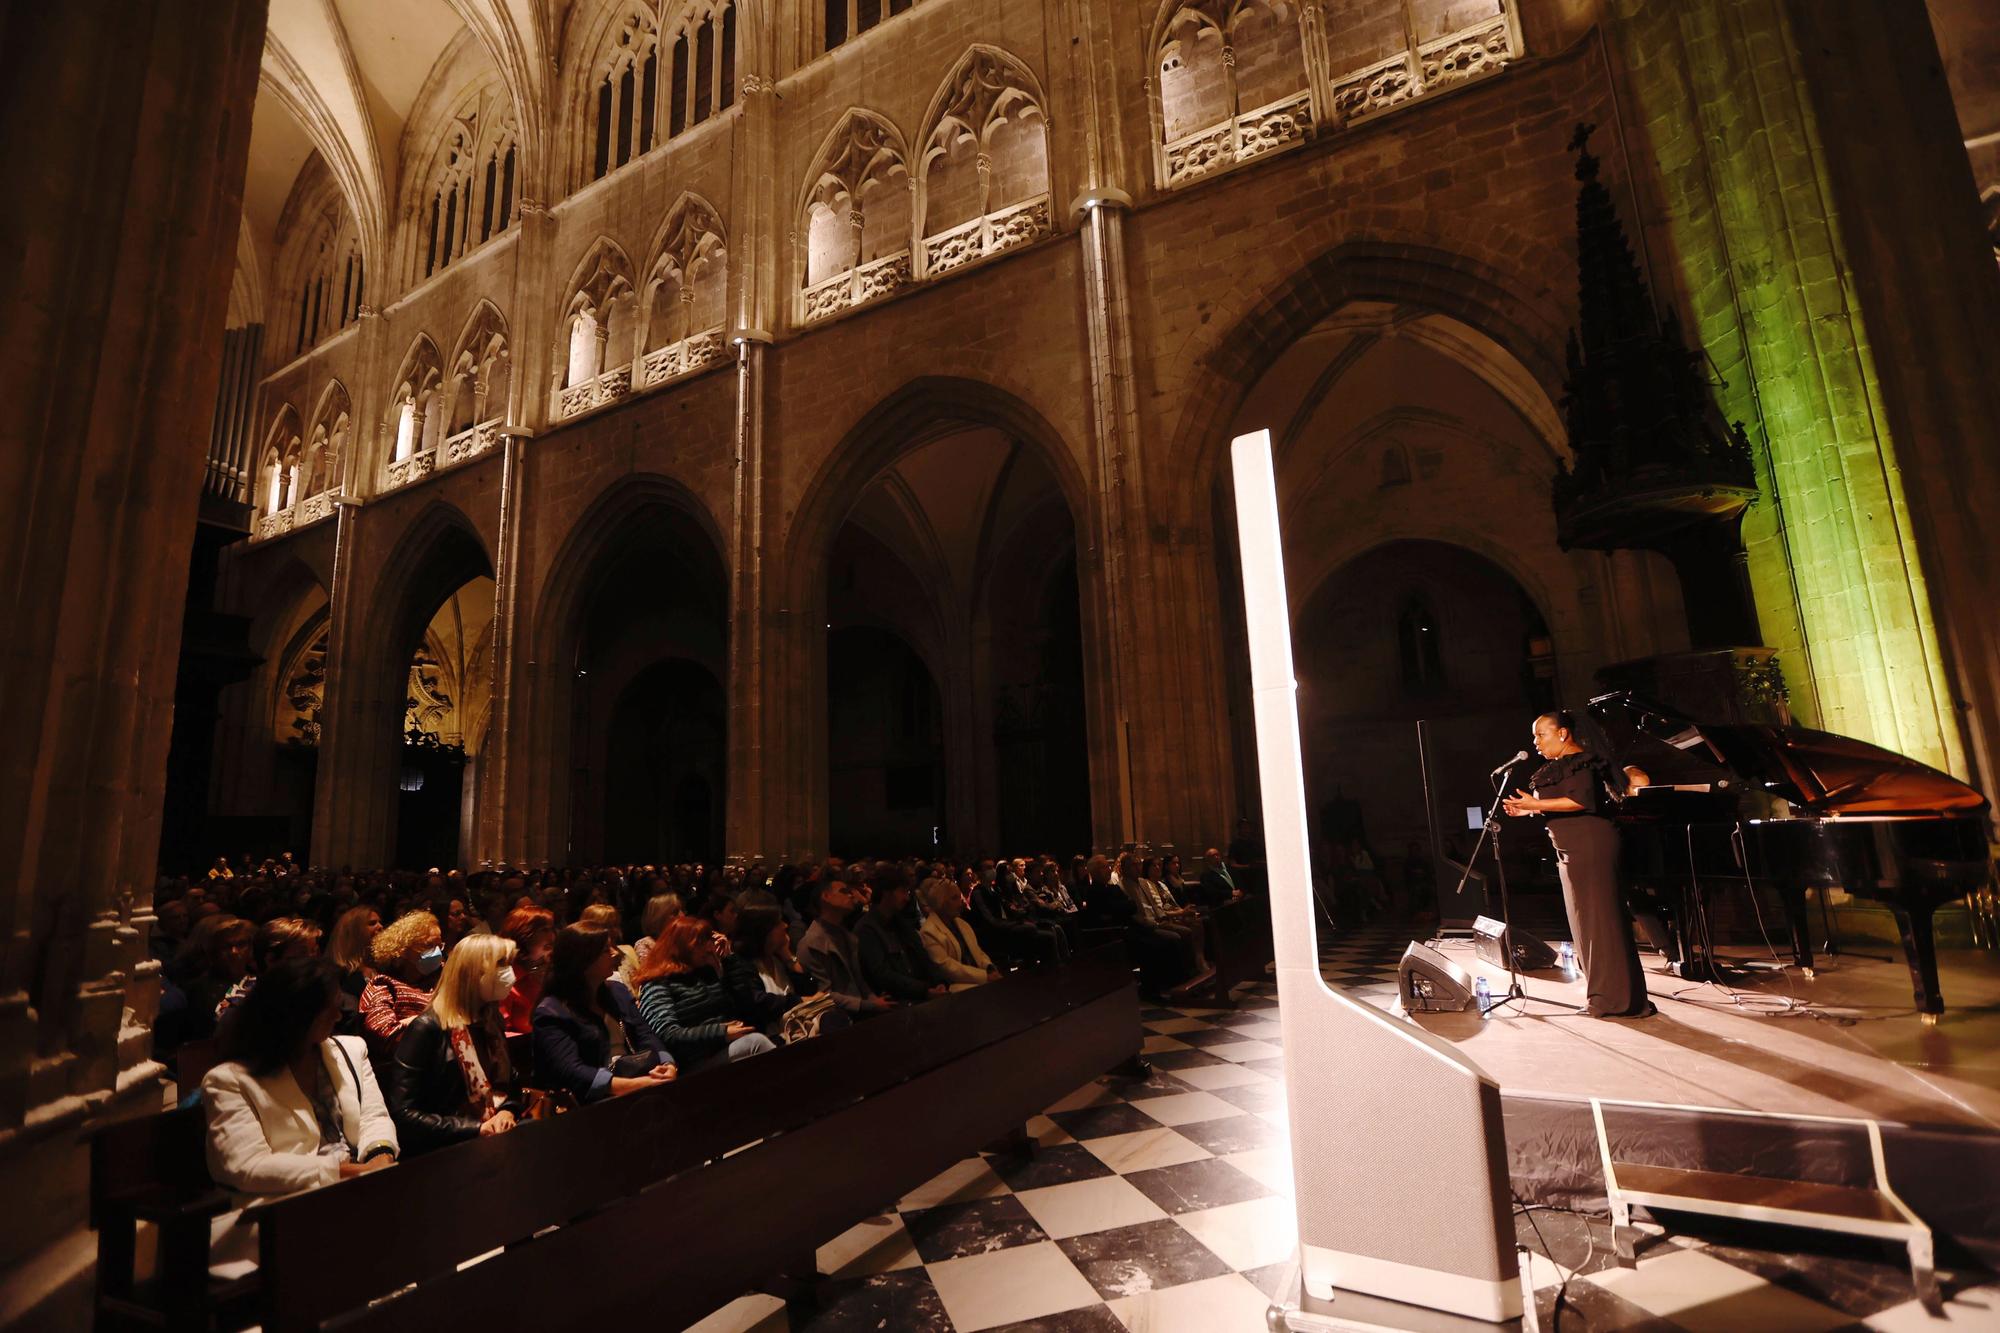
<point>497,985</point>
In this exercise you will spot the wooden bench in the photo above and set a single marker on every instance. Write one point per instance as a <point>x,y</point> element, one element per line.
<point>613,1179</point>
<point>155,1169</point>
<point>1239,943</point>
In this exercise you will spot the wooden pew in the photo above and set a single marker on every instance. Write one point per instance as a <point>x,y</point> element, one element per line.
<point>1239,942</point>
<point>155,1169</point>
<point>952,1075</point>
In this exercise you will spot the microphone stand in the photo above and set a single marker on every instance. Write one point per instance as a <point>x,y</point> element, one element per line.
<point>1515,991</point>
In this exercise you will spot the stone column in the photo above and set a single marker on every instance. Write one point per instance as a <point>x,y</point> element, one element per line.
<point>127,127</point>
<point>755,682</point>
<point>1158,752</point>
<point>1906,210</point>
<point>1744,192</point>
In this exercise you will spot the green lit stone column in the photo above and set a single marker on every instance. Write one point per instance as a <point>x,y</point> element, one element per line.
<point>1732,166</point>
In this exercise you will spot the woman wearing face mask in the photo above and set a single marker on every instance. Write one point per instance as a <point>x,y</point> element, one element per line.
<point>407,957</point>
<point>451,1079</point>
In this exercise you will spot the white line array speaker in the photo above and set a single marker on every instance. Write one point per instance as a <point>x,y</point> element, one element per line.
<point>1399,1159</point>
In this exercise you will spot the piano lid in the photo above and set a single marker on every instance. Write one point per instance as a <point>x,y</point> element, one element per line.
<point>1818,772</point>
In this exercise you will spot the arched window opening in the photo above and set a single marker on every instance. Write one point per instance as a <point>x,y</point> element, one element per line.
<point>419,413</point>
<point>686,296</point>
<point>327,264</point>
<point>466,198</point>
<point>702,82</point>
<point>625,80</point>
<point>857,219</point>
<point>598,320</point>
<point>1235,77</point>
<point>1232,84</point>
<point>841,19</point>
<point>986,164</point>
<point>477,392</point>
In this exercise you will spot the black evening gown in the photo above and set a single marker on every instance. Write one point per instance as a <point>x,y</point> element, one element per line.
<point>1586,846</point>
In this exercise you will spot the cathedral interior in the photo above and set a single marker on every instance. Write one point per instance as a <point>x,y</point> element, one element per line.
<point>460,437</point>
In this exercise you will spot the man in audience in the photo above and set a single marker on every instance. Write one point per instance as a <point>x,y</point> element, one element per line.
<point>831,953</point>
<point>894,965</point>
<point>1217,884</point>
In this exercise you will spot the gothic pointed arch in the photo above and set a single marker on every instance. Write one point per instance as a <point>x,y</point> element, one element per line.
<point>332,434</point>
<point>684,312</point>
<point>321,268</point>
<point>984,161</point>
<point>854,217</point>
<point>464,183</point>
<point>477,386</point>
<point>1230,83</point>
<point>275,484</point>
<point>698,44</point>
<point>416,412</point>
<point>598,318</point>
<point>614,98</point>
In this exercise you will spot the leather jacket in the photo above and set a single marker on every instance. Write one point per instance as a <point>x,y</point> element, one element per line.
<point>426,1089</point>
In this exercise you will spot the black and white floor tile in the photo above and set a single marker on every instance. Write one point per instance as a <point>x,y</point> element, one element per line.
<point>1163,1205</point>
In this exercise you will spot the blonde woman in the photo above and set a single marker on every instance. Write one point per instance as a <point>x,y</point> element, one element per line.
<point>949,940</point>
<point>451,1079</point>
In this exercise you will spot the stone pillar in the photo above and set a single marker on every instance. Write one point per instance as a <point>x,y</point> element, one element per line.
<point>1906,208</point>
<point>755,682</point>
<point>1745,193</point>
<point>127,129</point>
<point>1157,744</point>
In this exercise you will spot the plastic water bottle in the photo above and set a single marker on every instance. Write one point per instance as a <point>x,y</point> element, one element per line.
<point>1566,957</point>
<point>1482,994</point>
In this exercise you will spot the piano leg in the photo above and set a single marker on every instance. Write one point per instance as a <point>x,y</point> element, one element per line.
<point>1920,951</point>
<point>1793,896</point>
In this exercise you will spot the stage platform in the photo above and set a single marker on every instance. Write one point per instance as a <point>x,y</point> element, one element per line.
<point>1845,1042</point>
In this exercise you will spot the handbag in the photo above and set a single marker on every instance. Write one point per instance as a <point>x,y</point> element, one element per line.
<point>802,1020</point>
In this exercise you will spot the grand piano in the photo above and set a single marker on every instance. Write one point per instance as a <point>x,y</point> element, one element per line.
<point>1742,806</point>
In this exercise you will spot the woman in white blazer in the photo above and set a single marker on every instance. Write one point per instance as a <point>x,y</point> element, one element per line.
<point>294,1107</point>
<point>950,941</point>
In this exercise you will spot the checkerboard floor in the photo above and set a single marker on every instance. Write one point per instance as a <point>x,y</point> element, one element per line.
<point>1164,1205</point>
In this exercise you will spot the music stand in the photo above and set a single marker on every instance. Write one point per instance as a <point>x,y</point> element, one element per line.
<point>1515,990</point>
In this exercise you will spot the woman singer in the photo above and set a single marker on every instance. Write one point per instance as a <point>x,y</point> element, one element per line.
<point>1573,791</point>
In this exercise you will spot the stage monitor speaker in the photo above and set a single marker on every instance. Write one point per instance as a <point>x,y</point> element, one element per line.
<point>1411,1210</point>
<point>1430,983</point>
<point>1489,941</point>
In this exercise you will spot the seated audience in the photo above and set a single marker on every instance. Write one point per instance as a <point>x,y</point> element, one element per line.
<point>830,952</point>
<point>1217,885</point>
<point>451,1079</point>
<point>212,960</point>
<point>719,909</point>
<point>407,956</point>
<point>660,909</point>
<point>293,1106</point>
<point>1158,909</point>
<point>590,1041</point>
<point>282,939</point>
<point>353,933</point>
<point>1008,930</point>
<point>895,964</point>
<point>953,947</point>
<point>605,917</point>
<point>684,999</point>
<point>763,963</point>
<point>533,932</point>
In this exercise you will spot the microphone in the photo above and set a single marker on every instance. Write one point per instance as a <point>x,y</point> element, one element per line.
<point>1519,755</point>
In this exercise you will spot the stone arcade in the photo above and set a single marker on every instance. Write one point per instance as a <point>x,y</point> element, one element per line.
<point>759,428</point>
